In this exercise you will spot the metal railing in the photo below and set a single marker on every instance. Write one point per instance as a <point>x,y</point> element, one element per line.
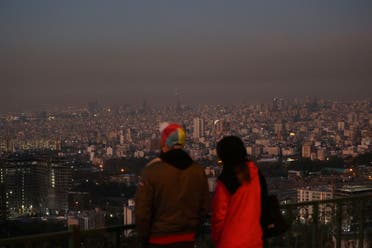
<point>344,222</point>
<point>114,236</point>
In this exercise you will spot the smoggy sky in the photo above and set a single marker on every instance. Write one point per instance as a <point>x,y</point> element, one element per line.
<point>73,52</point>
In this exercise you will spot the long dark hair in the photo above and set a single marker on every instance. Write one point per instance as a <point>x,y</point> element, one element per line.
<point>232,152</point>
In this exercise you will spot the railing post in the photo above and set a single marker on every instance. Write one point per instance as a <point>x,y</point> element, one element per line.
<point>117,238</point>
<point>28,244</point>
<point>75,237</point>
<point>339,224</point>
<point>290,221</point>
<point>315,224</point>
<point>361,224</point>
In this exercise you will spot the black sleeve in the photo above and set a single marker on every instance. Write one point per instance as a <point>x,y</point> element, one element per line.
<point>272,221</point>
<point>264,201</point>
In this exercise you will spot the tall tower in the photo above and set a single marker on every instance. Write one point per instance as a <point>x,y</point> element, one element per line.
<point>306,150</point>
<point>178,98</point>
<point>278,128</point>
<point>121,137</point>
<point>59,184</point>
<point>198,128</point>
<point>3,195</point>
<point>129,135</point>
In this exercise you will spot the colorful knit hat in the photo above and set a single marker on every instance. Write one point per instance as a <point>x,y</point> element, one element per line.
<point>172,134</point>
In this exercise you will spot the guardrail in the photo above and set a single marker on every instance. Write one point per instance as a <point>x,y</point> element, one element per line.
<point>74,238</point>
<point>344,222</point>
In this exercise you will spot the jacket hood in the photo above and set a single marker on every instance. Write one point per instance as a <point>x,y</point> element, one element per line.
<point>177,158</point>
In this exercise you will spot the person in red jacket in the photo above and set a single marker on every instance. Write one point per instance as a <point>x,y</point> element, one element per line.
<point>236,205</point>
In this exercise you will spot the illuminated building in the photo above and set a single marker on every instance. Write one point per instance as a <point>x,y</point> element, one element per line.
<point>306,150</point>
<point>315,194</point>
<point>128,215</point>
<point>3,200</point>
<point>34,185</point>
<point>198,128</point>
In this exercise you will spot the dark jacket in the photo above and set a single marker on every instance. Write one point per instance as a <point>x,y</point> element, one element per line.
<point>172,196</point>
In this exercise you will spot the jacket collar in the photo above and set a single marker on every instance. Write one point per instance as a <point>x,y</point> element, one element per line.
<point>177,158</point>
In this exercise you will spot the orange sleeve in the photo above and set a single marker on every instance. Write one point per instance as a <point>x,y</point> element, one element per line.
<point>220,204</point>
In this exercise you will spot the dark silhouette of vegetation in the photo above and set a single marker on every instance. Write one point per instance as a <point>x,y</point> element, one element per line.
<point>131,165</point>
<point>316,165</point>
<point>274,169</point>
<point>363,159</point>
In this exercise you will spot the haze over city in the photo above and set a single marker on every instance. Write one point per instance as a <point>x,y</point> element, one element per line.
<point>185,123</point>
<point>69,52</point>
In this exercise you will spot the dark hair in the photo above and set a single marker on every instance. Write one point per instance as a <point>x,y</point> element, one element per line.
<point>232,152</point>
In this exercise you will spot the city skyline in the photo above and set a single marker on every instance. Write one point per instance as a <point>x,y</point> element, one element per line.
<point>298,145</point>
<point>210,52</point>
<point>89,90</point>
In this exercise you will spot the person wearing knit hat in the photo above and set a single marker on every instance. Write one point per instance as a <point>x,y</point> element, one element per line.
<point>172,135</point>
<point>172,197</point>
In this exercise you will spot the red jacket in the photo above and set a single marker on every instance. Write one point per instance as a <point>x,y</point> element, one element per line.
<point>235,219</point>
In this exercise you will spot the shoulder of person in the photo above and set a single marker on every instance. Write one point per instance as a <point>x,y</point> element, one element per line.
<point>153,162</point>
<point>151,167</point>
<point>251,163</point>
<point>198,167</point>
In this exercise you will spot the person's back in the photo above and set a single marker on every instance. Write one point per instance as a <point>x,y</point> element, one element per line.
<point>172,199</point>
<point>236,217</point>
<point>236,206</point>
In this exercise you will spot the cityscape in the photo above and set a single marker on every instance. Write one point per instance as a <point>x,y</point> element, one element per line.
<point>193,124</point>
<point>80,165</point>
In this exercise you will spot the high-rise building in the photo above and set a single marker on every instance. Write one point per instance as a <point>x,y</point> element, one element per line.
<point>321,154</point>
<point>60,183</point>
<point>315,194</point>
<point>198,128</point>
<point>32,185</point>
<point>341,126</point>
<point>352,117</point>
<point>306,150</point>
<point>3,201</point>
<point>22,182</point>
<point>128,135</point>
<point>121,139</point>
<point>109,151</point>
<point>278,128</point>
<point>9,145</point>
<point>128,215</point>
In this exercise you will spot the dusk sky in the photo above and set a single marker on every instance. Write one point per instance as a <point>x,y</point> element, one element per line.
<point>73,52</point>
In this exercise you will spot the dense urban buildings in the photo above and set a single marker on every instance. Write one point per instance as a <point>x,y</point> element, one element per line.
<point>81,163</point>
<point>315,129</point>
